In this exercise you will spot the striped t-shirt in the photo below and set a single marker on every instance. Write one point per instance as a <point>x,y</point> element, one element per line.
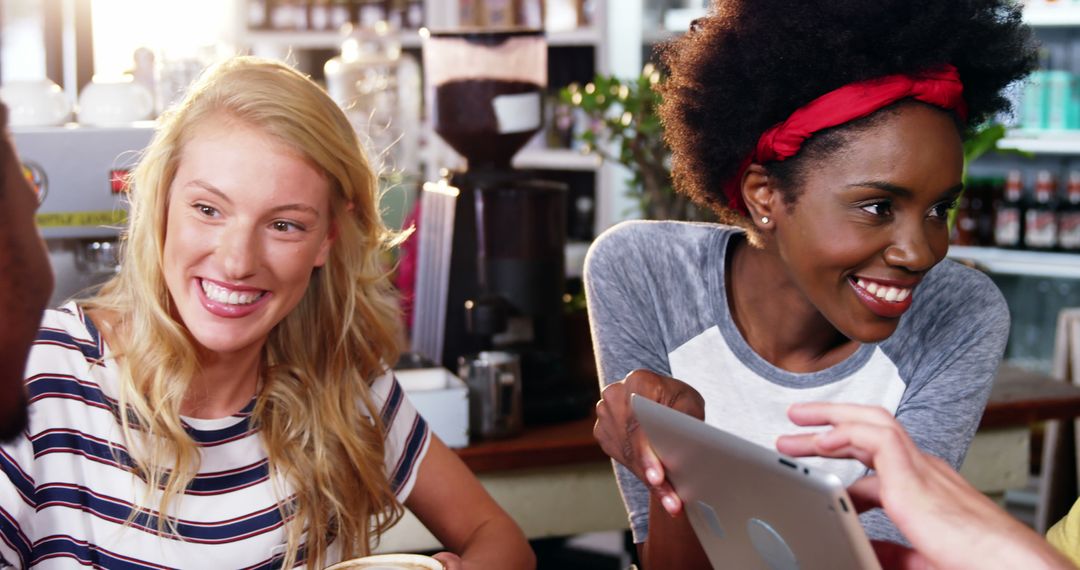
<point>66,492</point>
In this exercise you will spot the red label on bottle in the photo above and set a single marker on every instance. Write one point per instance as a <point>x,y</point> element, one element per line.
<point>1069,230</point>
<point>1041,229</point>
<point>1007,227</point>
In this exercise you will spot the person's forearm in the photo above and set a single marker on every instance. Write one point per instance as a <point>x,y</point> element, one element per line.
<point>25,285</point>
<point>12,409</point>
<point>498,544</point>
<point>671,542</point>
<point>26,282</point>
<point>992,539</point>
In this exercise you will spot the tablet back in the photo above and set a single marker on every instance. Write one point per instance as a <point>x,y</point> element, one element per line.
<point>752,507</point>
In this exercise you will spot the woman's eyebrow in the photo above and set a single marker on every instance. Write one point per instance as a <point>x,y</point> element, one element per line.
<point>297,207</point>
<point>284,207</point>
<point>884,186</point>
<point>902,191</point>
<point>954,192</point>
<point>209,188</point>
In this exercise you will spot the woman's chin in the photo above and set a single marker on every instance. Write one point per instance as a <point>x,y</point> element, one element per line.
<point>221,342</point>
<point>872,333</point>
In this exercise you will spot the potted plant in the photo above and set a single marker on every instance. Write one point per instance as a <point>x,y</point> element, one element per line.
<point>623,127</point>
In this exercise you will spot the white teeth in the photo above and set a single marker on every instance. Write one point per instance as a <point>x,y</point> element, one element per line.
<point>884,292</point>
<point>223,295</point>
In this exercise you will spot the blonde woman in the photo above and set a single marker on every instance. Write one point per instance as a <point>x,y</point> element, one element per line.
<point>225,401</point>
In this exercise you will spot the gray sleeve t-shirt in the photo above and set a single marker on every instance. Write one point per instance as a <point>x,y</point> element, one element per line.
<point>657,301</point>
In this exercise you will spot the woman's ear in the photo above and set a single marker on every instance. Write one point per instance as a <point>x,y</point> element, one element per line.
<point>760,197</point>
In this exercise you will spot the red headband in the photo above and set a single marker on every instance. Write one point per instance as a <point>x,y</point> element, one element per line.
<point>940,87</point>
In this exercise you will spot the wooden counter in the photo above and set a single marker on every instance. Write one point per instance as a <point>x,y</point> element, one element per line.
<point>1020,397</point>
<point>549,471</point>
<point>552,445</point>
<point>1017,399</point>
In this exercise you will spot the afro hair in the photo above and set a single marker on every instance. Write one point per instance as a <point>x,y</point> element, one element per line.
<point>751,63</point>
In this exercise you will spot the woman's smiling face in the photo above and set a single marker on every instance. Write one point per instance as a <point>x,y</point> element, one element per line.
<point>248,222</point>
<point>871,219</point>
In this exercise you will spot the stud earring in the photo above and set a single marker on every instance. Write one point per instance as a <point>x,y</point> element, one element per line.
<point>764,219</point>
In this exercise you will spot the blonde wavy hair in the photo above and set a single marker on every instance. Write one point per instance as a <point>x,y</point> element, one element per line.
<point>314,410</point>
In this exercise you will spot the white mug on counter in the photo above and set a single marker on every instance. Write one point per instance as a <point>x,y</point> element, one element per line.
<point>35,103</point>
<point>389,562</point>
<point>115,103</point>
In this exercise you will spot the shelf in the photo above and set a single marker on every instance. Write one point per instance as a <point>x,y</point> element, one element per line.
<point>1052,15</point>
<point>1048,142</point>
<point>409,38</point>
<point>578,37</point>
<point>315,39</point>
<point>556,159</point>
<point>658,35</point>
<point>1019,262</point>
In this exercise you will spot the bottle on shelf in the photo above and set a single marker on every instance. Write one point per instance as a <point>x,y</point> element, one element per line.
<point>965,225</point>
<point>498,13</point>
<point>287,15</point>
<point>370,12</point>
<point>394,12</point>
<point>319,16</point>
<point>982,205</point>
<point>1069,216</point>
<point>1009,214</point>
<point>340,13</point>
<point>414,15</point>
<point>1033,110</point>
<point>258,14</point>
<point>1059,97</point>
<point>1041,218</point>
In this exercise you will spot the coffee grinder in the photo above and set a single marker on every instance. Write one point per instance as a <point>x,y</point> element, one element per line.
<point>491,269</point>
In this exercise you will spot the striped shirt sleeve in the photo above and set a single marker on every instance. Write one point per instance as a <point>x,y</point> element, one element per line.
<point>17,501</point>
<point>407,434</point>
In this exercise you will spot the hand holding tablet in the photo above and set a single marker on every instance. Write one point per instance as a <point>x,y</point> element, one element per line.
<point>751,507</point>
<point>617,430</point>
<point>950,524</point>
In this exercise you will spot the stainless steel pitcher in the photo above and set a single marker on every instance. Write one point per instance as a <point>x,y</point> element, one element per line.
<point>494,380</point>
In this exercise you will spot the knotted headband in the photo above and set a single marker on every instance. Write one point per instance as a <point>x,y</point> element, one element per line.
<point>940,87</point>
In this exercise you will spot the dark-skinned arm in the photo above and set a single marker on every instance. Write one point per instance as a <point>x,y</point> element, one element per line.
<point>26,282</point>
<point>671,542</point>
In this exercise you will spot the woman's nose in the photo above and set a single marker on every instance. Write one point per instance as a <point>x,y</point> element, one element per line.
<point>238,251</point>
<point>913,249</point>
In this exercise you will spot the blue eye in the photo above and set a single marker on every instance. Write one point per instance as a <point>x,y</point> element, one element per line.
<point>879,209</point>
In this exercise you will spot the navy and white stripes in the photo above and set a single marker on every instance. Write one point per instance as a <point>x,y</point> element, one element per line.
<point>67,487</point>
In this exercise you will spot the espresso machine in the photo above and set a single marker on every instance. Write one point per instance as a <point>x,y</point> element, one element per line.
<point>79,175</point>
<point>490,267</point>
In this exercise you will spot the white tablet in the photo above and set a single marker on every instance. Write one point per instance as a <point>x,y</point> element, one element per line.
<point>752,507</point>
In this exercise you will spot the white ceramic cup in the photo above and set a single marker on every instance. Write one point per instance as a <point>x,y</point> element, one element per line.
<point>114,103</point>
<point>35,103</point>
<point>389,562</point>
